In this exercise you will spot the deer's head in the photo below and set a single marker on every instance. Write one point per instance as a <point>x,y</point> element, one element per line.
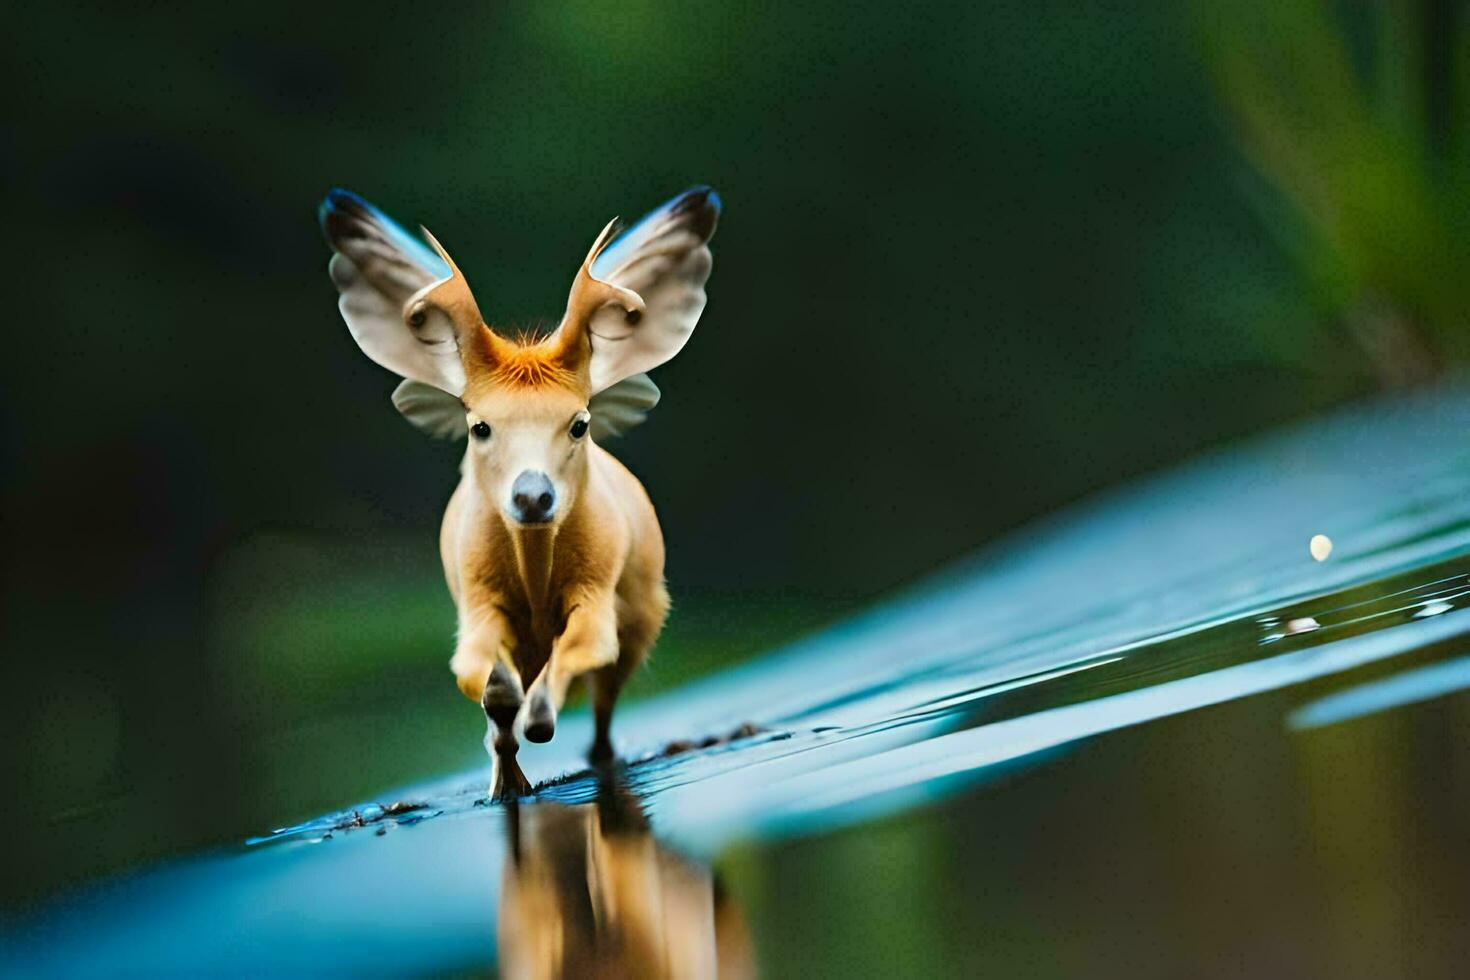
<point>525,402</point>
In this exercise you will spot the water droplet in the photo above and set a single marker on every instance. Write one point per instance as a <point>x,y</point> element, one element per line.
<point>1303,625</point>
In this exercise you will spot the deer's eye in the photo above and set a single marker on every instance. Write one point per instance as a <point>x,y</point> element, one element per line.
<point>481,430</point>
<point>579,427</point>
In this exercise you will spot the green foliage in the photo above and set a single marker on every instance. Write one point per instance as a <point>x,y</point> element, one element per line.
<point>1359,128</point>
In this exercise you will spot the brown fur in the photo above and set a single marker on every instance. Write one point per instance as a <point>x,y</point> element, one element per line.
<point>534,577</point>
<point>529,364</point>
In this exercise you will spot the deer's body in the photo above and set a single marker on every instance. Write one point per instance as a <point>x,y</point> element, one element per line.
<point>517,589</point>
<point>533,577</point>
<point>551,548</point>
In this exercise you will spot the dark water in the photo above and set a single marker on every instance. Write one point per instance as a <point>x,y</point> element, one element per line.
<point>1154,737</point>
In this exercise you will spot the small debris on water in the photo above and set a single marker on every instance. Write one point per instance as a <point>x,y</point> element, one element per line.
<point>1303,625</point>
<point>1321,546</point>
<point>394,809</point>
<point>375,813</point>
<point>679,746</point>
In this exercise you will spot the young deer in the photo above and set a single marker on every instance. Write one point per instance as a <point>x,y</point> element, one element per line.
<point>551,548</point>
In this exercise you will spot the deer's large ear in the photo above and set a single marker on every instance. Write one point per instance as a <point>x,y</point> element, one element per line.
<point>622,407</point>
<point>404,303</point>
<point>431,410</point>
<point>639,296</point>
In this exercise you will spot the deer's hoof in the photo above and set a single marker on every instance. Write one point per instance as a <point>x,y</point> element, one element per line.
<point>502,696</point>
<point>503,791</point>
<point>510,783</point>
<point>541,719</point>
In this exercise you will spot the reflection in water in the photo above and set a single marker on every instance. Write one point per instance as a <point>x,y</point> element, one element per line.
<point>588,891</point>
<point>1410,687</point>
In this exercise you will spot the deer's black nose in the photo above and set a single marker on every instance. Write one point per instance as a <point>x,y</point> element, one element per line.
<point>532,498</point>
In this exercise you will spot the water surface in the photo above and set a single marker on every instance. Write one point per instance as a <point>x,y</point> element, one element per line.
<point>1152,737</point>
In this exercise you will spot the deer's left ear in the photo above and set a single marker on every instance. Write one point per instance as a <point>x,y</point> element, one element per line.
<point>638,297</point>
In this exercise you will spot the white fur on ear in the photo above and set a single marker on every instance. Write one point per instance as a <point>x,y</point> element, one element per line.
<point>377,268</point>
<point>665,259</point>
<point>435,412</point>
<point>622,407</point>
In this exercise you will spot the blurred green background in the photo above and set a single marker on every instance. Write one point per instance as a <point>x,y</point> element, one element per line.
<point>976,262</point>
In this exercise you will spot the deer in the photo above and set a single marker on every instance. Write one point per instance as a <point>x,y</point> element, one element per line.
<point>552,551</point>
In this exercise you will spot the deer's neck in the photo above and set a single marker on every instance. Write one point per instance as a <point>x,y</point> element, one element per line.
<point>535,548</point>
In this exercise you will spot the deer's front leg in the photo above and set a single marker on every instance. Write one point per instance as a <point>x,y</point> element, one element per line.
<point>502,702</point>
<point>484,671</point>
<point>590,641</point>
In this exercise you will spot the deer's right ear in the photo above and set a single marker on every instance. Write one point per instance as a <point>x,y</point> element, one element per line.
<point>639,296</point>
<point>384,276</point>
